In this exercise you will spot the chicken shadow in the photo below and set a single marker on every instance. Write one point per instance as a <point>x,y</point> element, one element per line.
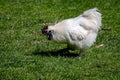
<point>57,53</point>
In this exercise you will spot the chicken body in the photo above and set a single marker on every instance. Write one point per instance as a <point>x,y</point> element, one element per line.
<point>78,33</point>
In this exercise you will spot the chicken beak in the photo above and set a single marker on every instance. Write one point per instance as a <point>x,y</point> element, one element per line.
<point>49,37</point>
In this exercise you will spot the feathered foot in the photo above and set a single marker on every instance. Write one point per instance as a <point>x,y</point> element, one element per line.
<point>81,55</point>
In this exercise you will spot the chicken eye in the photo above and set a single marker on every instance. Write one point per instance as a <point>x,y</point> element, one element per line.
<point>51,32</point>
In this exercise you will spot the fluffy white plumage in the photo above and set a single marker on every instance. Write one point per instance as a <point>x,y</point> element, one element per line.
<point>79,32</point>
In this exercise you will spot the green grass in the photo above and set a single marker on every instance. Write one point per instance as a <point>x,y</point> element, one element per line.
<point>25,54</point>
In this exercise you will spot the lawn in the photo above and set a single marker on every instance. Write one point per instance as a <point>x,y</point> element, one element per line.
<point>25,54</point>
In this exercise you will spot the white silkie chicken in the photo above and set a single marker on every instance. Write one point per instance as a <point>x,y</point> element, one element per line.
<point>78,33</point>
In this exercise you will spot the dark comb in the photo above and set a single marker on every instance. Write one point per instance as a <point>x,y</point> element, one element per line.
<point>44,30</point>
<point>46,27</point>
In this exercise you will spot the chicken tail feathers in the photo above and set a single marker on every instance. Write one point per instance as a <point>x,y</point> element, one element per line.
<point>93,14</point>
